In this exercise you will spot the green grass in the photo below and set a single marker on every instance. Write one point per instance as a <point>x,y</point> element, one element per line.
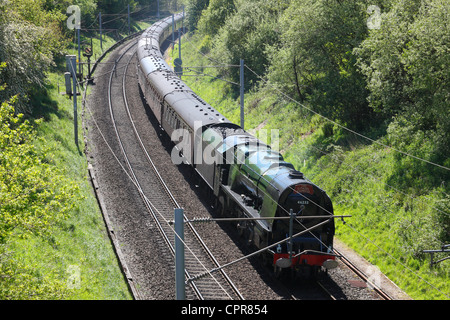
<point>388,227</point>
<point>396,212</point>
<point>76,259</point>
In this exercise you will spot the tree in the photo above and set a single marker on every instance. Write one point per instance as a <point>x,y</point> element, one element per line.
<point>213,17</point>
<point>34,197</point>
<point>30,37</point>
<point>194,10</point>
<point>246,35</point>
<point>406,64</point>
<point>314,61</point>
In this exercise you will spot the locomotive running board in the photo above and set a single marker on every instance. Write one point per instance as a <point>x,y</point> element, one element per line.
<point>249,211</point>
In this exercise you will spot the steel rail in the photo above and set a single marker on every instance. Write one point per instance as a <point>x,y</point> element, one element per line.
<point>172,198</point>
<point>147,202</point>
<point>363,276</point>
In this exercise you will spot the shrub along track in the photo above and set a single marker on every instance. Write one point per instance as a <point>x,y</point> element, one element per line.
<point>148,265</point>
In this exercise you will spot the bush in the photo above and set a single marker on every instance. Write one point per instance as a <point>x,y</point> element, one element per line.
<point>34,197</point>
<point>30,37</point>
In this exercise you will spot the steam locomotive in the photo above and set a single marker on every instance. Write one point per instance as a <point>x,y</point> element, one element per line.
<point>280,209</point>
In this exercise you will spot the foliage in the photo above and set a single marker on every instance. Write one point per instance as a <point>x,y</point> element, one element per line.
<point>314,60</point>
<point>116,6</point>
<point>88,10</point>
<point>388,83</point>
<point>246,35</point>
<point>213,17</point>
<point>50,224</point>
<point>49,219</point>
<point>195,9</point>
<point>30,37</point>
<point>406,63</point>
<point>33,196</point>
<point>20,282</point>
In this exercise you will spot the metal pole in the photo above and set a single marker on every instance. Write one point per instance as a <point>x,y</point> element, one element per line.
<point>179,45</point>
<point>242,92</point>
<point>182,22</point>
<point>129,26</point>
<point>291,230</point>
<point>100,23</point>
<point>173,31</point>
<point>73,67</point>
<point>179,255</point>
<point>79,54</point>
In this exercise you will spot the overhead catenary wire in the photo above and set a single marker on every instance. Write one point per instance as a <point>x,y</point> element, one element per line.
<point>363,136</point>
<point>352,131</point>
<point>344,128</point>
<point>233,83</point>
<point>384,145</point>
<point>383,182</point>
<point>141,191</point>
<point>320,115</point>
<point>374,141</point>
<point>208,75</point>
<point>354,229</point>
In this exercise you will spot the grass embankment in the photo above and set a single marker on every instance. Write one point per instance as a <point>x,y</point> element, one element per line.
<point>73,257</point>
<point>395,215</point>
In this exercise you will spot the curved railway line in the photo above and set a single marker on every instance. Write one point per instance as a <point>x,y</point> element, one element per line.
<point>142,175</point>
<point>159,200</point>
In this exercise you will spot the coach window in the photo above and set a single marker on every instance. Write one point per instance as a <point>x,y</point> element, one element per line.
<point>172,114</point>
<point>170,117</point>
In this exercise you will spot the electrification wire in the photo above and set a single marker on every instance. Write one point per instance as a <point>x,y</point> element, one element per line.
<point>208,75</point>
<point>396,189</point>
<point>275,202</point>
<point>347,128</point>
<point>343,127</point>
<point>377,143</point>
<point>384,205</point>
<point>395,259</point>
<point>291,98</point>
<point>167,221</point>
<point>355,134</point>
<point>125,171</point>
<point>144,196</point>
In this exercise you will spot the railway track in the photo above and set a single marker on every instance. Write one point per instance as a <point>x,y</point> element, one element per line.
<point>366,279</point>
<point>158,199</point>
<point>325,288</point>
